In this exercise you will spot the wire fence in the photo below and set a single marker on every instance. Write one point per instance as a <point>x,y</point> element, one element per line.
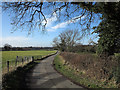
<point>12,64</point>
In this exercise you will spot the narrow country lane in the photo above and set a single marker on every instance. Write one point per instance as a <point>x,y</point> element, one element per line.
<point>44,76</point>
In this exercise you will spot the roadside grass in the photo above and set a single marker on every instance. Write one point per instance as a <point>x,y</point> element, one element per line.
<point>11,55</point>
<point>79,76</point>
<point>117,54</point>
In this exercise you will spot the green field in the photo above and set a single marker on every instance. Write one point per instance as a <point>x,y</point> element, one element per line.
<point>11,55</point>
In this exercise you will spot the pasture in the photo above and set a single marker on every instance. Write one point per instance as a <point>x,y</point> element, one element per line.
<point>11,55</point>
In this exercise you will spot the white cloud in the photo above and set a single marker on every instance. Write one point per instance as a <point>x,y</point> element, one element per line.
<point>15,38</point>
<point>64,24</point>
<point>21,41</point>
<point>51,30</point>
<point>15,41</point>
<point>50,20</point>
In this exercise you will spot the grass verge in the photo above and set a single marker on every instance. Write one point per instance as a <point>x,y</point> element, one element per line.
<point>78,76</point>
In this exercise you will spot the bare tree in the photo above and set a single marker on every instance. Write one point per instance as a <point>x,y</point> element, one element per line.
<point>67,39</point>
<point>55,42</point>
<point>91,42</point>
<point>29,15</point>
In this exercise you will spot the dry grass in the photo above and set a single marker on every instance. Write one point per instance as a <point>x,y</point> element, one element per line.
<point>102,69</point>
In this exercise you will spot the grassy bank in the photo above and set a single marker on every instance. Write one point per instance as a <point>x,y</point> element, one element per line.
<point>80,76</point>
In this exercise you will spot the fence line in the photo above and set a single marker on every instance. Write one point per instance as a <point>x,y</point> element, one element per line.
<point>19,61</point>
<point>23,60</point>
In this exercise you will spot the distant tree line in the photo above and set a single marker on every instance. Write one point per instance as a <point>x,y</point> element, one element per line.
<point>85,48</point>
<point>8,47</point>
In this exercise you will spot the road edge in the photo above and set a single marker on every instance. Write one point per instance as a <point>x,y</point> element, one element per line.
<point>69,78</point>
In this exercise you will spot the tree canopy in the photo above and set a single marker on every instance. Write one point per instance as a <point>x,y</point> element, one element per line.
<point>29,15</point>
<point>7,47</point>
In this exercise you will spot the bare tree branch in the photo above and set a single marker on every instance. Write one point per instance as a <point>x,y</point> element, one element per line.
<point>32,14</point>
<point>67,39</point>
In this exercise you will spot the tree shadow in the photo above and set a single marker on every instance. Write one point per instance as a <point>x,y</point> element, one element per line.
<point>35,82</point>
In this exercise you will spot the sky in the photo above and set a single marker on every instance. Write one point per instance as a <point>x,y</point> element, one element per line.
<point>37,38</point>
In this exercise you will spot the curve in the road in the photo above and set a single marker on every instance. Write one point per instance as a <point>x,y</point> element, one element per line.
<point>44,76</point>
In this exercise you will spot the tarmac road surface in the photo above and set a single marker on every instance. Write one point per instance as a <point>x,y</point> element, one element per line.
<point>44,76</point>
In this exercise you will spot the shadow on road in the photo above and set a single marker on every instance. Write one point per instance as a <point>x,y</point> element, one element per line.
<point>49,83</point>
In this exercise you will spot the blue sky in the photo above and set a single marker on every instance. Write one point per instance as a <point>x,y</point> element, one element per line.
<point>37,38</point>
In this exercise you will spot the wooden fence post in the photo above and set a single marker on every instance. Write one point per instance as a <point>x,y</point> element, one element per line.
<point>25,59</point>
<point>28,59</point>
<point>16,61</point>
<point>22,61</point>
<point>8,66</point>
<point>32,59</point>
